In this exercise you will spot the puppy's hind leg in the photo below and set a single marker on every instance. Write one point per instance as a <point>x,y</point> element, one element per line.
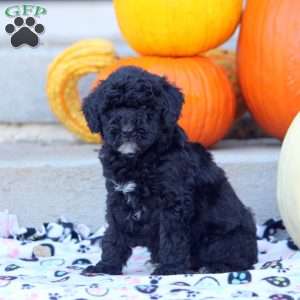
<point>235,251</point>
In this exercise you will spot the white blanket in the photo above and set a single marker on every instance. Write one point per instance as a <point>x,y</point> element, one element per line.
<point>23,275</point>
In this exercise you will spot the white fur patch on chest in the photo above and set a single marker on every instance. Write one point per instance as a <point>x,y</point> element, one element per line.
<point>125,188</point>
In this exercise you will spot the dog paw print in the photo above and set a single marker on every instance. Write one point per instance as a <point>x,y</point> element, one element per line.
<point>155,279</point>
<point>146,288</point>
<point>54,296</point>
<point>239,277</point>
<point>24,31</point>
<point>83,249</point>
<point>151,287</point>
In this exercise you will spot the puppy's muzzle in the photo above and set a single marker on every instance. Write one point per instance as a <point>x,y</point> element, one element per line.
<point>128,148</point>
<point>127,130</point>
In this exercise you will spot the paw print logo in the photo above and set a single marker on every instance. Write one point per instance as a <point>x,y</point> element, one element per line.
<point>24,32</point>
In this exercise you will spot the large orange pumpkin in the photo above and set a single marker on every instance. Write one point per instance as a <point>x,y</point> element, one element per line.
<point>177,28</point>
<point>269,62</point>
<point>210,104</point>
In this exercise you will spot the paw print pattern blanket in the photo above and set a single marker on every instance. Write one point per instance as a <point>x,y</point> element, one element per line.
<point>47,264</point>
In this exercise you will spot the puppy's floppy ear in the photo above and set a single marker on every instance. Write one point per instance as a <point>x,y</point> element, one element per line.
<point>172,102</point>
<point>91,111</point>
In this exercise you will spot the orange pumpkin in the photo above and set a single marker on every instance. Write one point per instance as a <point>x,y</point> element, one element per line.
<point>269,62</point>
<point>210,105</point>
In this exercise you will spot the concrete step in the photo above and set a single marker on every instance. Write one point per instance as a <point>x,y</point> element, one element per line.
<point>41,182</point>
<point>37,133</point>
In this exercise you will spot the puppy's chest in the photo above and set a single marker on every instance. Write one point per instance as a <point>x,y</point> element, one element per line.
<point>138,198</point>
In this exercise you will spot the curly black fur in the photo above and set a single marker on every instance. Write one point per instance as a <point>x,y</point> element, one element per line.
<point>164,192</point>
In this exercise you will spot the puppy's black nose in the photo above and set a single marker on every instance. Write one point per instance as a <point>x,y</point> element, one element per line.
<point>127,129</point>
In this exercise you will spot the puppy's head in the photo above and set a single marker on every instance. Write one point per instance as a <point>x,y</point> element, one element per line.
<point>132,109</point>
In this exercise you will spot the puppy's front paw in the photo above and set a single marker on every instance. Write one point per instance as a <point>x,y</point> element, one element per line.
<point>101,268</point>
<point>170,270</point>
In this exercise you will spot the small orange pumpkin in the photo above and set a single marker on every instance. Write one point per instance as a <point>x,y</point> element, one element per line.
<point>209,108</point>
<point>269,62</point>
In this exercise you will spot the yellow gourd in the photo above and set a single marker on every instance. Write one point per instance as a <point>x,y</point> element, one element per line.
<point>288,181</point>
<point>84,57</point>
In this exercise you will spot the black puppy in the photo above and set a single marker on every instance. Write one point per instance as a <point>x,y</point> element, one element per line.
<point>164,192</point>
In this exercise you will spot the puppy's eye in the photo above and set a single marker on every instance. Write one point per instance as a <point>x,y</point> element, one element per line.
<point>113,130</point>
<point>149,117</point>
<point>113,122</point>
<point>141,131</point>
